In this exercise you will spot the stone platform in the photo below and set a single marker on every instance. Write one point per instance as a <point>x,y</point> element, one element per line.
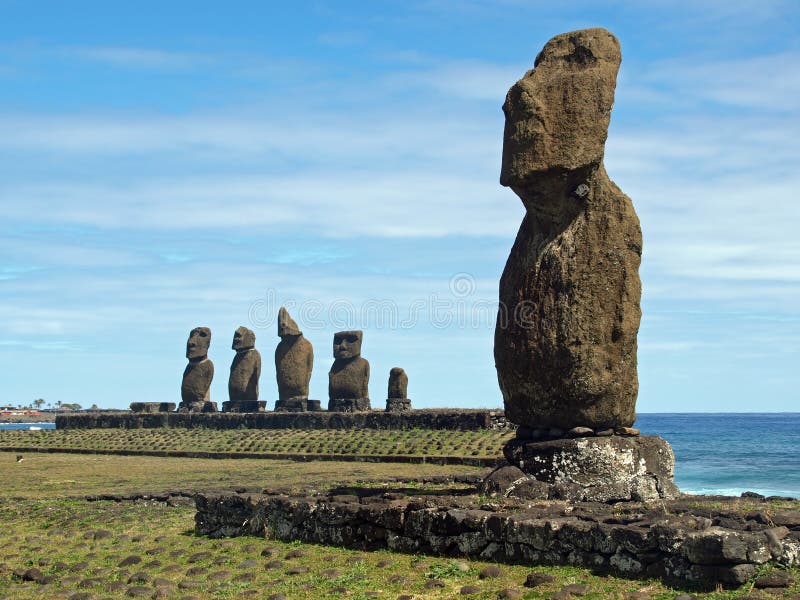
<point>694,540</point>
<point>598,469</point>
<point>451,419</point>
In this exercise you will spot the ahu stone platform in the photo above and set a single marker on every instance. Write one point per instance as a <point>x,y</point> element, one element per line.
<point>451,419</point>
<point>691,541</point>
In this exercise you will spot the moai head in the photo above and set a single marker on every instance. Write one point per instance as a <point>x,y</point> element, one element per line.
<point>197,344</point>
<point>557,115</point>
<point>243,339</point>
<point>286,325</point>
<point>347,344</point>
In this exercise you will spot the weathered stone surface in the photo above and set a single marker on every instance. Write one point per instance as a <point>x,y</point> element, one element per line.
<point>449,419</point>
<point>565,340</point>
<point>398,383</point>
<point>601,469</point>
<point>628,539</point>
<point>195,388</point>
<point>398,404</point>
<point>348,379</point>
<point>245,373</point>
<point>294,361</point>
<point>397,395</point>
<point>152,407</point>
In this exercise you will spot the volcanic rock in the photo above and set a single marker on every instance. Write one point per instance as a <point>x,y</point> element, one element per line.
<point>565,339</point>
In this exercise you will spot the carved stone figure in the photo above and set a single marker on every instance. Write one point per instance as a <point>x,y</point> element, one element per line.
<point>348,379</point>
<point>245,372</point>
<point>397,400</point>
<point>565,339</point>
<point>294,361</point>
<point>195,388</point>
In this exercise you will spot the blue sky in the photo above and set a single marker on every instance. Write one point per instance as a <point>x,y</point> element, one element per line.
<point>168,165</point>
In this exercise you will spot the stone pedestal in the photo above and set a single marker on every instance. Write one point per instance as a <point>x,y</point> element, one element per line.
<point>244,406</point>
<point>152,407</point>
<point>292,405</point>
<point>197,407</point>
<point>597,469</point>
<point>349,405</point>
<point>398,404</point>
<point>313,405</point>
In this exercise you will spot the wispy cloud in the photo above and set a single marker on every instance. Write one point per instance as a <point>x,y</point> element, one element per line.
<point>138,58</point>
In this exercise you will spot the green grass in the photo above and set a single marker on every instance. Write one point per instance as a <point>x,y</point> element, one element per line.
<point>481,444</point>
<point>47,524</point>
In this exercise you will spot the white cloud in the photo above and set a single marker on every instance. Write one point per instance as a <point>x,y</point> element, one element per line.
<point>131,57</point>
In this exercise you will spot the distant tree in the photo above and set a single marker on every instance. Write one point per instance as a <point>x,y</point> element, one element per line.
<point>58,404</point>
<point>38,403</point>
<point>94,407</point>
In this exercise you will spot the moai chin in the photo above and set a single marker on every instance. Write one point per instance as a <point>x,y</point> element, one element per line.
<point>397,395</point>
<point>244,376</point>
<point>565,339</point>
<point>348,379</point>
<point>294,362</point>
<point>196,384</point>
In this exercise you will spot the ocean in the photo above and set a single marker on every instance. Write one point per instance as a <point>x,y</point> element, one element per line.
<point>731,453</point>
<point>715,453</point>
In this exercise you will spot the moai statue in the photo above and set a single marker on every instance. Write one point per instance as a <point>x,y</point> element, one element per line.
<point>245,371</point>
<point>195,388</point>
<point>348,379</point>
<point>294,361</point>
<point>397,400</point>
<point>565,339</point>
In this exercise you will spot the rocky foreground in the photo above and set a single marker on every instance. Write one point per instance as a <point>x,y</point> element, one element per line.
<point>699,541</point>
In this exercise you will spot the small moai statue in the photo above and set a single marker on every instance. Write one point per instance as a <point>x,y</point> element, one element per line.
<point>245,372</point>
<point>195,388</point>
<point>348,379</point>
<point>294,361</point>
<point>397,400</point>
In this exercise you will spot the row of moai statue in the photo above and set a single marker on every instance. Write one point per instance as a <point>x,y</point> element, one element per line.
<point>348,379</point>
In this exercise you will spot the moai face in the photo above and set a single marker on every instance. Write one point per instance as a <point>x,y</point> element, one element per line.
<point>198,342</point>
<point>286,325</point>
<point>557,115</point>
<point>243,339</point>
<point>347,344</point>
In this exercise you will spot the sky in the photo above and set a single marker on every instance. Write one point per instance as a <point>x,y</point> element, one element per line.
<point>166,165</point>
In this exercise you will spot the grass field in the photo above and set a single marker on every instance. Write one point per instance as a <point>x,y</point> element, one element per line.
<point>86,550</point>
<point>481,444</point>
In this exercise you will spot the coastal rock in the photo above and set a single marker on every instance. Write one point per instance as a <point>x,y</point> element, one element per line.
<point>195,388</point>
<point>348,379</point>
<point>565,339</point>
<point>294,361</point>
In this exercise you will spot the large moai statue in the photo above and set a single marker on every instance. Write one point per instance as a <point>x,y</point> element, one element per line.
<point>565,339</point>
<point>245,373</point>
<point>294,361</point>
<point>348,379</point>
<point>397,394</point>
<point>196,385</point>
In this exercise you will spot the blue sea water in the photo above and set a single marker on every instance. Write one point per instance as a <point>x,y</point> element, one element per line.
<point>715,453</point>
<point>8,426</point>
<point>730,453</point>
